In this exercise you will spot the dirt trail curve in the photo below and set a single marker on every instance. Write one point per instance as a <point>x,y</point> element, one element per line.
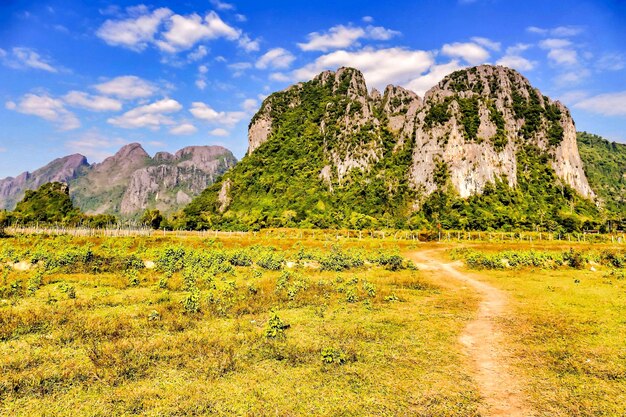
<point>482,341</point>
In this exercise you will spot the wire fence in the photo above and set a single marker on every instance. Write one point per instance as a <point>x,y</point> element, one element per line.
<point>330,235</point>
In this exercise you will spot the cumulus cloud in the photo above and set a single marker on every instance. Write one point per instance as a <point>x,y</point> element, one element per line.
<point>91,102</point>
<point>200,52</point>
<point>183,32</point>
<point>340,36</point>
<point>219,132</point>
<point>275,58</point>
<point>247,44</point>
<point>487,43</point>
<point>23,58</point>
<point>48,108</point>
<point>150,115</point>
<point>250,105</point>
<point>610,104</point>
<point>563,56</point>
<point>470,52</point>
<point>280,77</point>
<point>517,62</point>
<point>183,129</point>
<point>560,51</point>
<point>204,112</point>
<point>135,32</point>
<point>222,5</point>
<point>435,74</point>
<point>168,31</point>
<point>514,59</point>
<point>379,66</point>
<point>127,87</point>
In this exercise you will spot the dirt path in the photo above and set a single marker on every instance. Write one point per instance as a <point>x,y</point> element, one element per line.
<point>482,341</point>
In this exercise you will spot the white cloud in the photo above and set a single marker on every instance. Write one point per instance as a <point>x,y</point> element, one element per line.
<point>340,36</point>
<point>201,83</point>
<point>557,31</point>
<point>572,77</point>
<point>240,17</point>
<point>435,74</point>
<point>470,52</point>
<point>135,32</point>
<point>240,66</point>
<point>183,32</point>
<point>219,132</point>
<point>200,52</point>
<point>127,87</point>
<point>247,44</point>
<point>337,37</point>
<point>517,49</point>
<point>380,33</point>
<point>150,115</point>
<point>514,59</point>
<point>221,5</point>
<point>91,102</point>
<point>487,43</point>
<point>379,66</point>
<point>552,43</point>
<point>367,19</point>
<point>204,112</point>
<point>611,62</point>
<point>280,77</point>
<point>560,51</point>
<point>250,105</point>
<point>21,58</point>
<point>183,129</point>
<point>47,108</point>
<point>517,62</point>
<point>563,56</point>
<point>275,58</point>
<point>610,104</point>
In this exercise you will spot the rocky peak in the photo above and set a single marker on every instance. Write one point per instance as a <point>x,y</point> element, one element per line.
<point>59,170</point>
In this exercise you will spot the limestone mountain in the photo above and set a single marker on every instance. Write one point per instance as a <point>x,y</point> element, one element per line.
<point>60,170</point>
<point>128,182</point>
<point>483,149</point>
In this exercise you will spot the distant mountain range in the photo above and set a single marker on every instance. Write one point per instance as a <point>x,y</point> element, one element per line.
<point>128,182</point>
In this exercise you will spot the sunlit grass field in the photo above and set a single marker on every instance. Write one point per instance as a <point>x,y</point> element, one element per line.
<point>239,326</point>
<point>567,324</point>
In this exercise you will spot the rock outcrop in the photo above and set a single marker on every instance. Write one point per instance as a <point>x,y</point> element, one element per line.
<point>175,179</point>
<point>60,170</point>
<point>473,123</point>
<point>128,182</point>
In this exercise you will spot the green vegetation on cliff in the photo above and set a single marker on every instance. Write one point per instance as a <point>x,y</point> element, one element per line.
<point>605,167</point>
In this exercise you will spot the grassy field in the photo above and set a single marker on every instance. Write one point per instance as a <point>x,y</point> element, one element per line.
<point>243,326</point>
<point>567,325</point>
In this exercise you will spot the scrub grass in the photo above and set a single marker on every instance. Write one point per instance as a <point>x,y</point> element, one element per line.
<point>567,324</point>
<point>228,326</point>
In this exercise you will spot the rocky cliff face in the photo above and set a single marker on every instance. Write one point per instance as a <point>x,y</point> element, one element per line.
<point>475,121</point>
<point>60,170</point>
<point>472,125</point>
<point>128,182</point>
<point>175,179</point>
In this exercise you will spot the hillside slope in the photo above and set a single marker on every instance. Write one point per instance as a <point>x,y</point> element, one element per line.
<point>605,166</point>
<point>483,149</point>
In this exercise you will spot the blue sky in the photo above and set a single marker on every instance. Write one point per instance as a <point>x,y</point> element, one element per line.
<point>89,77</point>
